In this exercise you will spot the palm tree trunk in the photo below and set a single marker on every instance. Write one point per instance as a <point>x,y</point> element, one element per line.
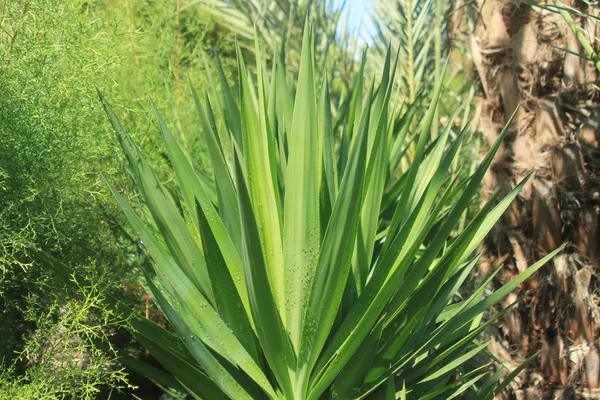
<point>530,62</point>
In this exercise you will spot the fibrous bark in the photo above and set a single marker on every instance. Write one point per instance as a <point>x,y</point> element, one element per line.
<point>530,62</point>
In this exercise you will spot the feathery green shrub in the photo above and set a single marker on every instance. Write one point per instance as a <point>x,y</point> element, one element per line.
<point>51,197</point>
<point>53,149</point>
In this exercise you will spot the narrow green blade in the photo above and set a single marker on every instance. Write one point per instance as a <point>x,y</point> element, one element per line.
<point>301,223</point>
<point>271,333</point>
<point>390,390</point>
<point>172,226</point>
<point>228,208</point>
<point>228,302</point>
<point>262,192</point>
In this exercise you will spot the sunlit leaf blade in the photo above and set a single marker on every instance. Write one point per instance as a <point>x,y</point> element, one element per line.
<point>409,198</point>
<point>301,229</point>
<point>228,302</point>
<point>231,109</point>
<point>228,208</point>
<point>284,97</point>
<point>465,386</point>
<point>469,313</point>
<point>173,228</point>
<point>403,391</point>
<point>455,363</point>
<point>326,133</point>
<point>272,335</point>
<point>261,189</point>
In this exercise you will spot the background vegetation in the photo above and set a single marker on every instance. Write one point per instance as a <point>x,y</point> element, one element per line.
<point>56,144</point>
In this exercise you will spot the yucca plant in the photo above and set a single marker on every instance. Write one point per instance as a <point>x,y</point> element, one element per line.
<point>307,269</point>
